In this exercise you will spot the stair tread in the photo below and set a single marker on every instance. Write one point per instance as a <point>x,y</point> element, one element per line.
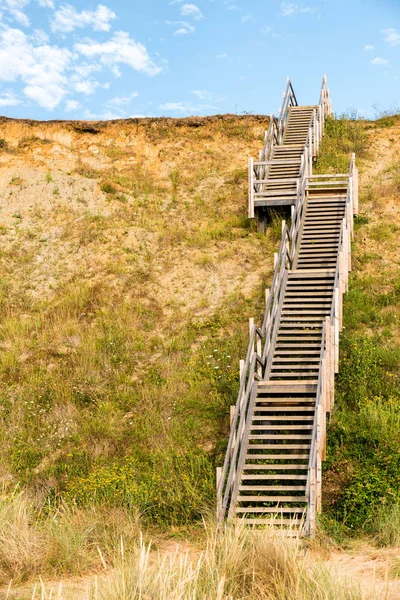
<point>279,446</point>
<point>283,426</point>
<point>267,488</point>
<point>253,467</point>
<point>281,418</point>
<point>271,499</point>
<point>270,510</point>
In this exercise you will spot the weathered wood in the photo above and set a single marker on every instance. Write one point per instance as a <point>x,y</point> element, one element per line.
<point>296,347</point>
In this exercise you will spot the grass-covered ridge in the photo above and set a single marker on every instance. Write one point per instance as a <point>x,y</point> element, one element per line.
<point>125,291</point>
<point>362,472</point>
<point>129,270</point>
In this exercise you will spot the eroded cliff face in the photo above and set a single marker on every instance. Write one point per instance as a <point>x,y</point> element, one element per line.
<point>166,196</point>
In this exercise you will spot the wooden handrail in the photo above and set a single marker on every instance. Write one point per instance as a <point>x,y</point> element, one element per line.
<point>258,360</point>
<point>330,354</point>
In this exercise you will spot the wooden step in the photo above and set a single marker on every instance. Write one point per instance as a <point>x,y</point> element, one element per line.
<point>281,426</point>
<point>272,488</point>
<point>254,467</point>
<point>288,418</point>
<point>276,467</point>
<point>304,456</point>
<point>278,499</point>
<point>289,408</point>
<point>297,352</point>
<point>301,388</point>
<point>295,367</point>
<point>296,314</point>
<point>269,510</point>
<point>280,446</point>
<point>275,522</point>
<point>280,437</point>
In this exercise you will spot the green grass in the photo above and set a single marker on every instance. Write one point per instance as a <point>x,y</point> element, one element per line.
<point>362,471</point>
<point>343,135</point>
<point>233,563</point>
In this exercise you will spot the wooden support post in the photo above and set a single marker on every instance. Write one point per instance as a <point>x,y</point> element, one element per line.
<point>219,495</point>
<point>232,413</point>
<point>332,373</point>
<point>336,300</point>
<point>259,352</point>
<point>251,189</point>
<point>242,374</point>
<point>318,503</point>
<point>251,325</point>
<point>312,503</point>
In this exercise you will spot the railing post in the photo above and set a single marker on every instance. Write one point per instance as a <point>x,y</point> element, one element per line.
<point>251,188</point>
<point>336,326</point>
<point>219,495</point>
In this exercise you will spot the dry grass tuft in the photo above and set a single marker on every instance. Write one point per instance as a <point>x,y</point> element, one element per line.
<point>235,564</point>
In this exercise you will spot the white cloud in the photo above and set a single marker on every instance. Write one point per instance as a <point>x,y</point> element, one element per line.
<point>266,30</point>
<point>72,105</point>
<point>392,37</point>
<point>248,19</point>
<point>289,9</point>
<point>39,37</point>
<point>105,116</point>
<point>379,61</point>
<point>47,73</point>
<point>9,99</point>
<point>14,9</point>
<point>206,95</point>
<point>185,107</point>
<point>191,10</point>
<point>369,48</point>
<point>67,19</point>
<point>84,86</point>
<point>202,94</point>
<point>120,49</point>
<point>223,55</point>
<point>122,100</point>
<point>46,3</point>
<point>42,69</point>
<point>230,4</point>
<point>184,28</point>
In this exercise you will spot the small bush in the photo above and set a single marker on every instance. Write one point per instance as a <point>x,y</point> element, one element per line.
<point>165,488</point>
<point>108,188</point>
<point>387,525</point>
<point>343,135</point>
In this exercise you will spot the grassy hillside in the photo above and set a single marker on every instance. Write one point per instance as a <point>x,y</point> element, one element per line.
<point>362,472</point>
<point>129,270</point>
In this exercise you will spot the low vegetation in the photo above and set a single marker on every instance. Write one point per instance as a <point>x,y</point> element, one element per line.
<point>233,563</point>
<point>362,471</point>
<point>122,329</point>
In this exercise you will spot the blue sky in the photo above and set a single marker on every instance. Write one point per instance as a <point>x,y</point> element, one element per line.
<point>89,60</point>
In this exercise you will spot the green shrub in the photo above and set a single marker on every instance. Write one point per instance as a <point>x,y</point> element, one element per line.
<point>108,188</point>
<point>387,525</point>
<point>369,440</point>
<point>343,135</point>
<point>166,488</point>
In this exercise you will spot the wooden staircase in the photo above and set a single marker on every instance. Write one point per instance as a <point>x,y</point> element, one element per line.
<point>280,180</point>
<point>272,469</point>
<point>275,470</point>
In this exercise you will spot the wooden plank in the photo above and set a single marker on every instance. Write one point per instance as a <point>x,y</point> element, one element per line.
<point>272,488</point>
<point>269,510</point>
<point>272,499</point>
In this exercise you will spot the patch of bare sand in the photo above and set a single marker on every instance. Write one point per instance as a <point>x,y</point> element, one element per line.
<point>371,569</point>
